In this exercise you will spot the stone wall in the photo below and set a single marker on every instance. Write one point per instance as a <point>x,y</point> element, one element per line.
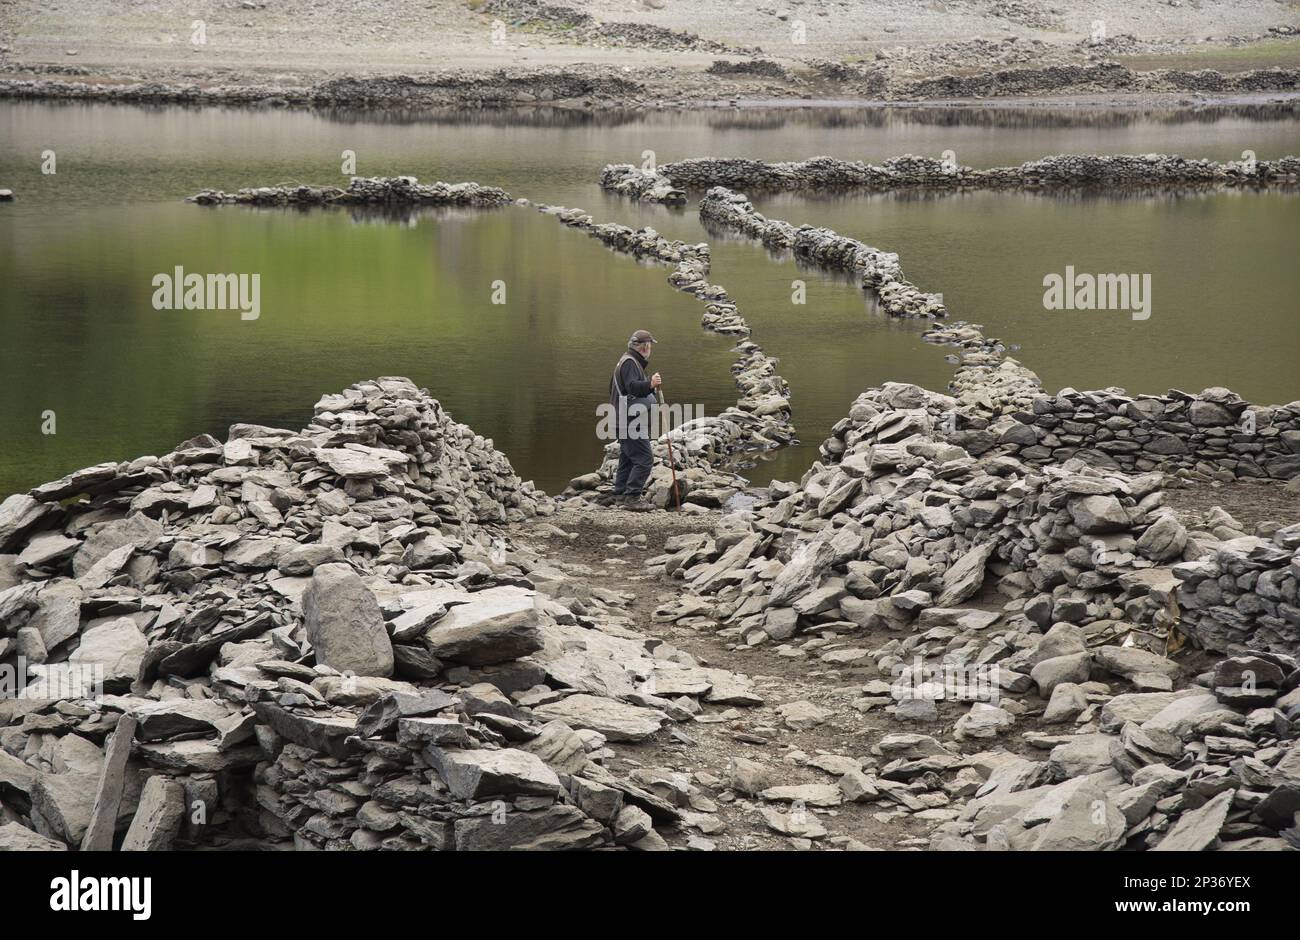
<point>1212,435</point>
<point>1085,582</point>
<point>914,172</point>
<point>896,521</point>
<point>876,270</point>
<point>1242,594</point>
<point>642,185</point>
<point>362,191</point>
<point>1105,76</point>
<point>892,511</point>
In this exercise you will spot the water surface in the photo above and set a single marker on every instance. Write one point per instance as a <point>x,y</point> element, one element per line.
<point>345,296</point>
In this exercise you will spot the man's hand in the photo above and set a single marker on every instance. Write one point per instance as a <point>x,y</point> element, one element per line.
<point>655,381</point>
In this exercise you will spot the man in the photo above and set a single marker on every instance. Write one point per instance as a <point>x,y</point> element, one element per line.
<point>631,393</point>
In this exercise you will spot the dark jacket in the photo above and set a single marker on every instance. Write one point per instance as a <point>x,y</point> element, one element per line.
<point>631,376</point>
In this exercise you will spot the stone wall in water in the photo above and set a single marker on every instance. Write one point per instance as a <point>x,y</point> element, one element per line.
<point>1065,504</point>
<point>1207,436</point>
<point>915,172</point>
<point>362,191</point>
<point>878,271</point>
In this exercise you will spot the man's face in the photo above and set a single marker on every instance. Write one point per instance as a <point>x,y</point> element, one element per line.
<point>644,349</point>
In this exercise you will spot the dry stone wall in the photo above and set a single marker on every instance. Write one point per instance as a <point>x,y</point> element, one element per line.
<point>1024,591</point>
<point>1063,171</point>
<point>1211,435</point>
<point>876,270</point>
<point>363,191</point>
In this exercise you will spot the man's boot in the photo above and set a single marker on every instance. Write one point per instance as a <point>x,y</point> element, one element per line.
<point>637,503</point>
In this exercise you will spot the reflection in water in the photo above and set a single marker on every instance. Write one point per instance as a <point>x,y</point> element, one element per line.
<point>866,116</point>
<point>869,115</point>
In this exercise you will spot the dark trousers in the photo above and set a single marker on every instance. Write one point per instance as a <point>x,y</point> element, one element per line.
<point>635,459</point>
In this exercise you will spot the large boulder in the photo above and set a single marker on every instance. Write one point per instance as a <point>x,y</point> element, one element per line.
<point>1098,514</point>
<point>483,774</point>
<point>113,651</point>
<point>488,630</point>
<point>344,623</point>
<point>964,579</point>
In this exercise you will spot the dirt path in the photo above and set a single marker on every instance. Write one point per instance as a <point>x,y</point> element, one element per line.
<point>714,766</point>
<point>1250,502</point>
<point>699,757</point>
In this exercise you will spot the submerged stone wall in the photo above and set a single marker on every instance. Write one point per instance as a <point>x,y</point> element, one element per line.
<point>642,185</point>
<point>1104,76</point>
<point>361,191</point>
<point>877,270</point>
<point>1064,171</point>
<point>1211,435</point>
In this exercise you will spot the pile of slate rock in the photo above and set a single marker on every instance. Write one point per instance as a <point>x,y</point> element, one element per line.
<point>317,638</point>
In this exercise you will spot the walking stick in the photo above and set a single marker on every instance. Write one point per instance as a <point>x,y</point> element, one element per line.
<point>672,464</point>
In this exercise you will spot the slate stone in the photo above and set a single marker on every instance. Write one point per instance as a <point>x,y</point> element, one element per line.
<point>487,632</point>
<point>114,650</point>
<point>159,721</point>
<point>965,577</point>
<point>65,803</point>
<point>383,714</point>
<point>1198,829</point>
<point>617,721</point>
<point>15,837</point>
<point>1087,821</point>
<point>157,820</point>
<point>203,756</point>
<point>325,733</point>
<point>444,732</point>
<point>18,514</point>
<point>344,623</point>
<point>112,783</point>
<point>138,530</point>
<point>556,828</point>
<point>482,774</point>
